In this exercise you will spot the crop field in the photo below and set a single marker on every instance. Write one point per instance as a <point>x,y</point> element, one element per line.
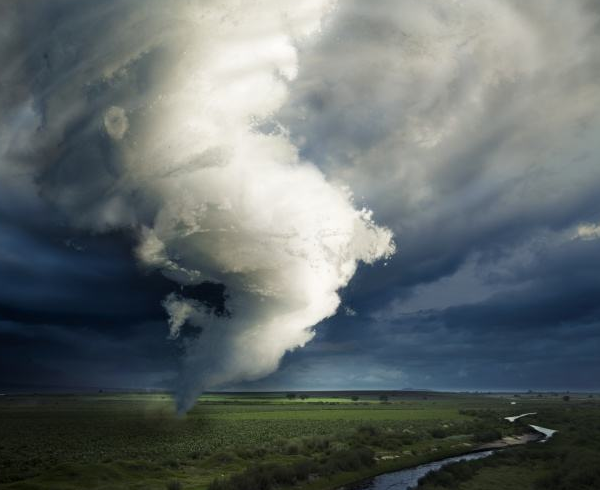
<point>136,441</point>
<point>368,414</point>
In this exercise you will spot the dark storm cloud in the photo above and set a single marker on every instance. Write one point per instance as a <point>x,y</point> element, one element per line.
<point>77,279</point>
<point>538,326</point>
<point>469,127</point>
<point>39,357</point>
<point>48,281</point>
<point>76,311</point>
<point>556,288</point>
<point>474,147</point>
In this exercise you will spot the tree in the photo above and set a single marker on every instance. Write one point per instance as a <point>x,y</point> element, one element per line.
<point>291,396</point>
<point>355,398</point>
<point>566,398</point>
<point>383,398</point>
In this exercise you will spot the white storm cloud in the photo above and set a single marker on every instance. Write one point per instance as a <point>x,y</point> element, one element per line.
<point>148,118</point>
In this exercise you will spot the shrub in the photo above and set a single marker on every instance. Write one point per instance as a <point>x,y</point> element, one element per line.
<point>171,463</point>
<point>174,485</point>
<point>224,457</point>
<point>351,459</point>
<point>291,448</point>
<point>438,433</point>
<point>303,469</point>
<point>487,435</point>
<point>269,476</point>
<point>367,430</point>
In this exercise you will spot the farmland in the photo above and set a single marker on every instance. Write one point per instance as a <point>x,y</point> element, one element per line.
<point>123,441</point>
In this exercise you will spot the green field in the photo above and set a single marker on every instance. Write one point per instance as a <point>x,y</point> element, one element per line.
<point>136,441</point>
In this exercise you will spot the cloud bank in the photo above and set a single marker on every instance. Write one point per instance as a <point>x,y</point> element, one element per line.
<point>158,119</point>
<point>469,127</point>
<point>465,125</point>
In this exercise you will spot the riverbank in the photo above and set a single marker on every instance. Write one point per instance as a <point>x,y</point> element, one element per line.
<point>409,478</point>
<point>512,441</point>
<point>568,460</point>
<point>344,480</point>
<point>399,463</point>
<point>541,434</point>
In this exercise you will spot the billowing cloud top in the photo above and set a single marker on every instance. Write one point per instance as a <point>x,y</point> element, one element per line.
<point>153,117</point>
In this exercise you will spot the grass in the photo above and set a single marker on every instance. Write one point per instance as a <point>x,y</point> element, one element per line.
<point>135,441</point>
<point>492,478</point>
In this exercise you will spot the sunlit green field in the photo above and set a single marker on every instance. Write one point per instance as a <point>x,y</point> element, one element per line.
<point>119,441</point>
<point>332,414</point>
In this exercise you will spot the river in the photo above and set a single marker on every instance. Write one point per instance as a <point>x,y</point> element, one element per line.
<point>409,477</point>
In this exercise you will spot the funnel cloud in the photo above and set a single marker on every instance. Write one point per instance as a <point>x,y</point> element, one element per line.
<point>156,118</point>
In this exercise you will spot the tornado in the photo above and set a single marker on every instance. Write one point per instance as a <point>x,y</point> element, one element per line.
<point>159,119</point>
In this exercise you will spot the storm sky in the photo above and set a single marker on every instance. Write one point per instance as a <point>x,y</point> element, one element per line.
<point>262,195</point>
